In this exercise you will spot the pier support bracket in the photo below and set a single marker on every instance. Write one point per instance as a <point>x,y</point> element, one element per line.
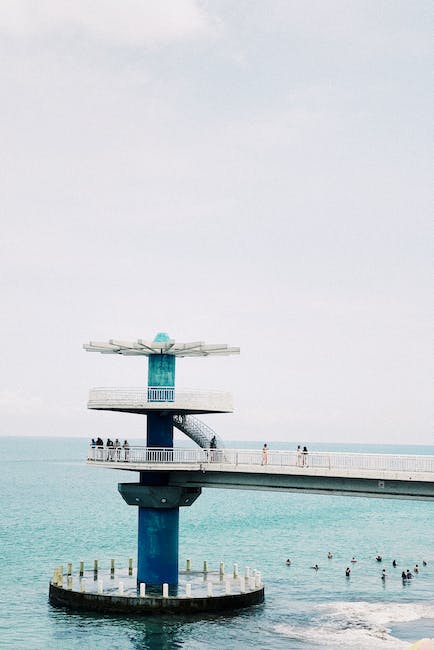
<point>161,496</point>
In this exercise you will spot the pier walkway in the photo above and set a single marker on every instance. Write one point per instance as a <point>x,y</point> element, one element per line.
<point>375,475</point>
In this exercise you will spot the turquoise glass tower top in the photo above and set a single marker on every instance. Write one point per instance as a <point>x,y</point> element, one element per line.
<point>161,367</point>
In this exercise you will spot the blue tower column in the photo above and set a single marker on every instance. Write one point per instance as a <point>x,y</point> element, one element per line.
<point>158,527</point>
<point>158,535</point>
<point>159,562</point>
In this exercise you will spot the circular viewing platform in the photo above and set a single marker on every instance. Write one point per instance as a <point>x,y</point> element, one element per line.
<point>160,398</point>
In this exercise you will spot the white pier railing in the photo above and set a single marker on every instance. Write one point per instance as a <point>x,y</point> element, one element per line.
<point>234,458</point>
<point>154,396</point>
<point>161,393</point>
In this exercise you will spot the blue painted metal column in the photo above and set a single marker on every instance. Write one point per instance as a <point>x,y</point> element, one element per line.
<point>158,528</point>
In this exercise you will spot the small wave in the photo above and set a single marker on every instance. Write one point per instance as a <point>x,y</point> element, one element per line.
<point>357,625</point>
<point>371,614</point>
<point>356,639</point>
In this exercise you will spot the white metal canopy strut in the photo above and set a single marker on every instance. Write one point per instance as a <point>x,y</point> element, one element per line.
<point>148,348</point>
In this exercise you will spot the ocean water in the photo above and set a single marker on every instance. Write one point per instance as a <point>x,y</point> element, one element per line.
<point>54,509</point>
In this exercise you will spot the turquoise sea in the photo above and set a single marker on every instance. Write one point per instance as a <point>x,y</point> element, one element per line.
<point>55,509</point>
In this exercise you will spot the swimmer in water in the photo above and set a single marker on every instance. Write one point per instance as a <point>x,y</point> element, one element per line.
<point>315,566</point>
<point>353,559</point>
<point>409,574</point>
<point>416,568</point>
<point>383,574</point>
<point>423,563</point>
<point>288,562</point>
<point>404,575</point>
<point>379,558</point>
<point>347,571</point>
<point>394,563</point>
<point>329,555</point>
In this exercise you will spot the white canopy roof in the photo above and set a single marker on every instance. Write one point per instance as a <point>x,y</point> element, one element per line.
<point>146,348</point>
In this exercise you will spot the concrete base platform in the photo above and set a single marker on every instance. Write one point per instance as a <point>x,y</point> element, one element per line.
<point>148,605</point>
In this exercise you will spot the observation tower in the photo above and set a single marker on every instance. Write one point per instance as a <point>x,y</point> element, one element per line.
<point>165,408</point>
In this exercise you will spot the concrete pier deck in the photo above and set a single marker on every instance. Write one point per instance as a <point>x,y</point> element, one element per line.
<point>376,475</point>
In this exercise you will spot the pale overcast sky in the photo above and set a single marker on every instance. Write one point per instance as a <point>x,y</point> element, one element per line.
<point>255,173</point>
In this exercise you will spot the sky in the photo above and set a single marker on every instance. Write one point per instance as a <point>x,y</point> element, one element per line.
<point>252,173</point>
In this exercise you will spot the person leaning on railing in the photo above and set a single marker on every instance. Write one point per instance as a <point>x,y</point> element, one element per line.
<point>110,449</point>
<point>100,448</point>
<point>117,446</point>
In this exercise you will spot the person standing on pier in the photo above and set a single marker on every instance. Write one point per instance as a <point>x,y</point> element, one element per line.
<point>264,455</point>
<point>100,446</point>
<point>126,448</point>
<point>110,449</point>
<point>213,447</point>
<point>304,454</point>
<point>299,456</point>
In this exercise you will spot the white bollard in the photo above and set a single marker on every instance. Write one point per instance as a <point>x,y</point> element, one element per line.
<point>242,585</point>
<point>69,569</point>
<point>222,568</point>
<point>235,570</point>
<point>81,569</point>
<point>258,579</point>
<point>60,579</point>
<point>165,590</point>
<point>209,588</point>
<point>142,589</point>
<point>251,582</point>
<point>121,588</point>
<point>83,585</point>
<point>247,572</point>
<point>227,587</point>
<point>100,586</point>
<point>188,589</point>
<point>188,565</point>
<point>69,583</point>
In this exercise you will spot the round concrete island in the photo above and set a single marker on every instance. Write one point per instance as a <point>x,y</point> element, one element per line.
<point>197,591</point>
